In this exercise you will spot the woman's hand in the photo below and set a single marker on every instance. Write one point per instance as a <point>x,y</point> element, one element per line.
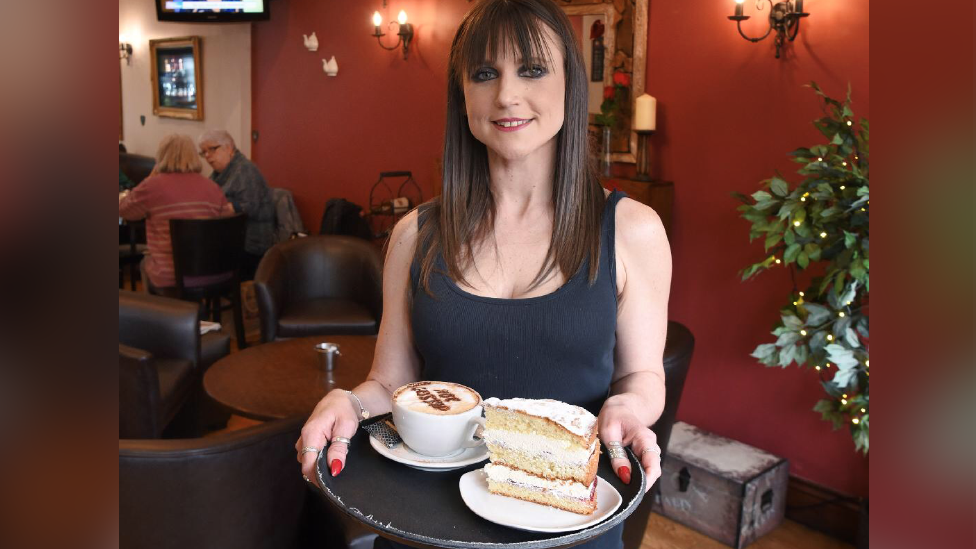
<point>334,416</point>
<point>619,428</point>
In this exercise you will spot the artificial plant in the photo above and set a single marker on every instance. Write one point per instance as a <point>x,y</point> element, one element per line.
<point>819,227</point>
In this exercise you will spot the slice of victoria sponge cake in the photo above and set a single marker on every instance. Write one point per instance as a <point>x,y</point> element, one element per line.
<point>543,451</point>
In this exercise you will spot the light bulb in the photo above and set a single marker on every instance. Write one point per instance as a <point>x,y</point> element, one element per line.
<point>817,368</point>
<point>843,395</point>
<point>842,187</point>
<point>778,262</point>
<point>855,421</point>
<point>823,235</point>
<point>402,17</point>
<point>862,410</point>
<point>795,303</point>
<point>802,294</point>
<point>843,163</point>
<point>849,123</point>
<point>819,159</point>
<point>830,337</point>
<point>377,19</point>
<point>796,223</point>
<point>827,365</point>
<point>843,401</point>
<point>867,363</point>
<point>803,199</point>
<point>803,332</point>
<point>841,314</point>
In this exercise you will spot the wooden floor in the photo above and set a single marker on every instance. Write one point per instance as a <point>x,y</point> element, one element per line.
<point>661,533</point>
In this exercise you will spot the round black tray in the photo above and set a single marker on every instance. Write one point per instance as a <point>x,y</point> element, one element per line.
<point>424,509</point>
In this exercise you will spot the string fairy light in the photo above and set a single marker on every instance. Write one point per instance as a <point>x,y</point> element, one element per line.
<point>803,332</point>
<point>855,421</point>
<point>830,337</point>
<point>841,314</point>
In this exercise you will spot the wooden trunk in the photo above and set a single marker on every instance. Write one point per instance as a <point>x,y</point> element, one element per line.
<point>720,487</point>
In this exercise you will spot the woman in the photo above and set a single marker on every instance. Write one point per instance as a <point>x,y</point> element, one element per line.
<point>523,279</point>
<point>174,190</point>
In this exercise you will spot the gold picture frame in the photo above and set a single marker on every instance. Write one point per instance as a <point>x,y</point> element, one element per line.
<point>177,77</point>
<point>626,50</point>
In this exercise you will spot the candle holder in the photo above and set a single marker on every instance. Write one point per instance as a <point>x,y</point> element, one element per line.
<point>643,164</point>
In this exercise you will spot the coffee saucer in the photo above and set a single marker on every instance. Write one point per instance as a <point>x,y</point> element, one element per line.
<point>403,454</point>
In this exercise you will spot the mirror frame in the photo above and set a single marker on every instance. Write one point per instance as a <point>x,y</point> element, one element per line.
<point>617,16</point>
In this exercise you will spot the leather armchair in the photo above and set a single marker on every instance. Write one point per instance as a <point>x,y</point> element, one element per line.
<point>136,166</point>
<point>678,349</point>
<point>162,358</point>
<point>240,489</point>
<point>320,285</point>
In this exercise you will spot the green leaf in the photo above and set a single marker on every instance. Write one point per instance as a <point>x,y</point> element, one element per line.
<point>842,357</point>
<point>818,314</point>
<point>862,327</point>
<point>813,251</point>
<point>849,239</point>
<point>786,355</point>
<point>851,336</point>
<point>803,260</point>
<point>842,378</point>
<point>788,339</point>
<point>833,210</point>
<point>801,354</point>
<point>818,341</point>
<point>800,215</point>
<point>773,239</point>
<point>792,322</point>
<point>789,256</point>
<point>761,196</point>
<point>764,351</point>
<point>789,237</point>
<point>778,186</point>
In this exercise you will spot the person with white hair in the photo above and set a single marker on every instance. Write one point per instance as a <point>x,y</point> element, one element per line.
<point>247,192</point>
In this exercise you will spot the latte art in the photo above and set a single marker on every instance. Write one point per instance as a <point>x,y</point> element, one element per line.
<point>436,397</point>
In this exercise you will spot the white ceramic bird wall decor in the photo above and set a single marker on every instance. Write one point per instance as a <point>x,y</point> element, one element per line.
<point>311,42</point>
<point>330,67</point>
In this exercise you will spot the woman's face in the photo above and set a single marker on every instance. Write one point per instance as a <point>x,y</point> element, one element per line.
<point>516,107</point>
<point>218,156</point>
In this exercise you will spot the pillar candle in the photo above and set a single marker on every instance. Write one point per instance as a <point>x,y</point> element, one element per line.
<point>645,116</point>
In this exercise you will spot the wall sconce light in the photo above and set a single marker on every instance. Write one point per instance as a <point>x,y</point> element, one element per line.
<point>125,51</point>
<point>405,33</point>
<point>784,18</point>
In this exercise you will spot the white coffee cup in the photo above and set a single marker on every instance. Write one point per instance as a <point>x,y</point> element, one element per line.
<point>437,419</point>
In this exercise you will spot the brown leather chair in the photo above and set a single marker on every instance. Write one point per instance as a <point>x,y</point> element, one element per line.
<point>240,489</point>
<point>160,367</point>
<point>677,359</point>
<point>320,285</point>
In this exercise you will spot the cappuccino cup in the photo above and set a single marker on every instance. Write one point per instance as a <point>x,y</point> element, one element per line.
<point>437,418</point>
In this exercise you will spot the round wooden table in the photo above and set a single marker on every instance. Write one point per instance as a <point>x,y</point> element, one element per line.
<point>283,378</point>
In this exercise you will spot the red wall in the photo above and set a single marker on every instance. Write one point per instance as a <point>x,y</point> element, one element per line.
<point>728,114</point>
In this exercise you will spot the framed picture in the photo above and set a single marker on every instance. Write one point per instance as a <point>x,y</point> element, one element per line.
<point>177,77</point>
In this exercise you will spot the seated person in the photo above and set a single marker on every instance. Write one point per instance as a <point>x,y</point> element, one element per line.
<point>174,190</point>
<point>245,188</point>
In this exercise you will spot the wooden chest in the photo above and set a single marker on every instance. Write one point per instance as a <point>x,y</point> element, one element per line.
<point>720,487</point>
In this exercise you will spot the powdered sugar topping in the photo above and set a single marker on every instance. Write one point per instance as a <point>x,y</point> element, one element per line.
<point>575,419</point>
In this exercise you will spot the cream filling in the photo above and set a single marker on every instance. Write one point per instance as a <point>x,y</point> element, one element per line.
<point>559,488</point>
<point>561,452</point>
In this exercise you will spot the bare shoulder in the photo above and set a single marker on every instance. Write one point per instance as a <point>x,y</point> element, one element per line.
<point>403,239</point>
<point>638,226</point>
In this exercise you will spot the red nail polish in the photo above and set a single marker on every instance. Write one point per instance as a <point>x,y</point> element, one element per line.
<point>623,472</point>
<point>337,466</point>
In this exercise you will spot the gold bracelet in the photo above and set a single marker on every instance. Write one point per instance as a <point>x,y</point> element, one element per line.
<point>362,409</point>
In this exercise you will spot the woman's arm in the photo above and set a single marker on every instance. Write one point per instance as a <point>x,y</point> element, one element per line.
<point>643,262</point>
<point>395,362</point>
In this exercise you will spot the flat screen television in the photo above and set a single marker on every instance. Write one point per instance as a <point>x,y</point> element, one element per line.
<point>210,11</point>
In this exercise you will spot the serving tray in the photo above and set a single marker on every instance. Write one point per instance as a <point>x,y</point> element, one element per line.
<point>424,509</point>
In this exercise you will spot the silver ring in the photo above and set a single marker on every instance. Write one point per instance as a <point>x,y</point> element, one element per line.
<point>654,449</point>
<point>615,444</point>
<point>340,439</point>
<point>616,452</point>
<point>308,449</point>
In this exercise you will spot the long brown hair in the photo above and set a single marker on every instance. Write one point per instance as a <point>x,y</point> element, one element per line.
<point>464,212</point>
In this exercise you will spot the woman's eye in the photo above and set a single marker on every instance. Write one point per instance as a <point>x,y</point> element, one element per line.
<point>535,71</point>
<point>483,74</point>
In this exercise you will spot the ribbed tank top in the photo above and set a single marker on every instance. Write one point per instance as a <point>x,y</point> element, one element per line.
<point>559,345</point>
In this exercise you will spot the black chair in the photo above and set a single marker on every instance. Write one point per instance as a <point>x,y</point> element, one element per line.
<point>159,350</point>
<point>240,489</point>
<point>320,285</point>
<point>132,248</point>
<point>136,166</point>
<point>677,360</point>
<point>211,247</point>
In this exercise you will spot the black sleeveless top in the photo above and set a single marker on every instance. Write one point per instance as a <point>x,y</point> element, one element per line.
<point>559,345</point>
